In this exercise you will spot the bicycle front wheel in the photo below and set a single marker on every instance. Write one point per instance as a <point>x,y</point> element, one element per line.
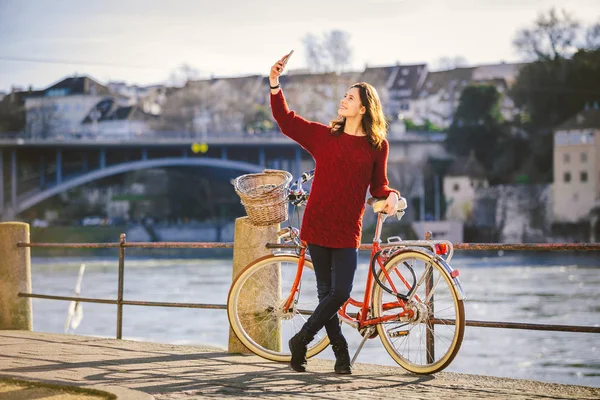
<point>256,302</point>
<point>425,335</point>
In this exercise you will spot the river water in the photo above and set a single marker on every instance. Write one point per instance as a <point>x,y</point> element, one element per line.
<point>552,288</point>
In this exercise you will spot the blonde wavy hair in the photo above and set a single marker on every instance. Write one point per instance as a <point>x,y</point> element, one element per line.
<point>373,121</point>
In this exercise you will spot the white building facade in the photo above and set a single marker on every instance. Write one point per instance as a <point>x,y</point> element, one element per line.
<point>576,187</point>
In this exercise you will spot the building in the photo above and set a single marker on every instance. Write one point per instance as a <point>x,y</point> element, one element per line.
<point>59,110</point>
<point>79,107</point>
<point>439,96</point>
<point>576,187</point>
<point>219,106</point>
<point>12,112</point>
<point>109,120</point>
<point>463,179</point>
<point>149,99</point>
<point>398,87</point>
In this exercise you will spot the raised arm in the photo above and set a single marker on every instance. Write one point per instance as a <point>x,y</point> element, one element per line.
<point>293,126</point>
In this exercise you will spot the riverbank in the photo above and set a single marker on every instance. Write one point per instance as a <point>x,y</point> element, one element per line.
<point>138,370</point>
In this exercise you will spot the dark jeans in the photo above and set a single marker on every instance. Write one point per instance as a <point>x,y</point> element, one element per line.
<point>335,270</point>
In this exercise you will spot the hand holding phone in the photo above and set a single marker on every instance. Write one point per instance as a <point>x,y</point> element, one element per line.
<point>286,58</point>
<point>277,69</point>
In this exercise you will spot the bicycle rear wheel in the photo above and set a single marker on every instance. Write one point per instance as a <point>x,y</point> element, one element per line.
<point>256,301</point>
<point>427,341</point>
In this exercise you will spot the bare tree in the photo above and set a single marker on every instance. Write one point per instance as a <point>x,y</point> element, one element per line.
<point>181,107</point>
<point>182,74</point>
<point>329,53</point>
<point>553,36</point>
<point>43,120</point>
<point>313,49</point>
<point>592,37</point>
<point>215,106</point>
<point>448,63</point>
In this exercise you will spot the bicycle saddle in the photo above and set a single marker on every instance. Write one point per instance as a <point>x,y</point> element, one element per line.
<point>378,203</point>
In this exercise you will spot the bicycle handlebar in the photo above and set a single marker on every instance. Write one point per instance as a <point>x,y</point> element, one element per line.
<point>307,176</point>
<point>296,193</point>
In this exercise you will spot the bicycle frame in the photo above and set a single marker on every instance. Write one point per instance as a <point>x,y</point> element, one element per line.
<point>362,320</point>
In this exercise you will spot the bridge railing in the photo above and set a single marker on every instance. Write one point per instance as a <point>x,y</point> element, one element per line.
<point>122,244</point>
<point>138,136</point>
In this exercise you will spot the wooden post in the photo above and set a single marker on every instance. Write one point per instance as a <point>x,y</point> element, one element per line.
<point>249,244</point>
<point>15,277</point>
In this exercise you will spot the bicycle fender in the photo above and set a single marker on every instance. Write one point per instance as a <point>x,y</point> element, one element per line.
<point>447,268</point>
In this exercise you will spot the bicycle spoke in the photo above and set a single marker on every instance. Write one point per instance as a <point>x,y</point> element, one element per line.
<point>432,290</point>
<point>433,297</point>
<point>256,307</point>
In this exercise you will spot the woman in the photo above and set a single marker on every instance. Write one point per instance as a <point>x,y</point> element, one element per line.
<point>350,155</point>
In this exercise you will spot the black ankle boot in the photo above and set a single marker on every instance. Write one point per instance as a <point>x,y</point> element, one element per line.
<point>298,345</point>
<point>342,357</point>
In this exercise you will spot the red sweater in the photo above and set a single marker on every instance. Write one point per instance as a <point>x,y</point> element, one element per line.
<point>346,166</point>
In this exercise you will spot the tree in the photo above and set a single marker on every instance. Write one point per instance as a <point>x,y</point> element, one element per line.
<point>592,37</point>
<point>478,128</point>
<point>549,92</point>
<point>553,36</point>
<point>259,121</point>
<point>44,119</point>
<point>427,126</point>
<point>215,106</point>
<point>12,115</point>
<point>329,53</point>
<point>564,77</point>
<point>448,63</point>
<point>181,107</point>
<point>182,74</point>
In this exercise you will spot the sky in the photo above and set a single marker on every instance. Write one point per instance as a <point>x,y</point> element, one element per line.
<point>143,41</point>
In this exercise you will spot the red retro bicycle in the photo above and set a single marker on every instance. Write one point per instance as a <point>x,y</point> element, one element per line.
<point>413,299</point>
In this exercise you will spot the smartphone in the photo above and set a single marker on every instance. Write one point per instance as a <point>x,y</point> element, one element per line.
<point>287,58</point>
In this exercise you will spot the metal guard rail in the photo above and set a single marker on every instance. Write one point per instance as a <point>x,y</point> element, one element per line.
<point>122,245</point>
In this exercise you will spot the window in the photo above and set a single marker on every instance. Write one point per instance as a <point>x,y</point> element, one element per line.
<point>584,157</point>
<point>405,71</point>
<point>567,158</point>
<point>561,139</point>
<point>456,187</point>
<point>590,137</point>
<point>573,138</point>
<point>567,177</point>
<point>583,176</point>
<point>587,137</point>
<point>57,92</point>
<point>575,197</point>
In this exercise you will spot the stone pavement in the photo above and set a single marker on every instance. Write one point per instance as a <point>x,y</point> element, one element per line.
<point>142,370</point>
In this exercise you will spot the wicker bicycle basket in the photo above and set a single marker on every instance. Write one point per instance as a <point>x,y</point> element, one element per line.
<point>264,196</point>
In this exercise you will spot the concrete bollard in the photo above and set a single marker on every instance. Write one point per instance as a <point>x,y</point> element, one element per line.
<point>249,244</point>
<point>15,277</point>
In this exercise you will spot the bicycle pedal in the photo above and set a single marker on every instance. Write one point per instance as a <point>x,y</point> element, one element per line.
<point>398,334</point>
